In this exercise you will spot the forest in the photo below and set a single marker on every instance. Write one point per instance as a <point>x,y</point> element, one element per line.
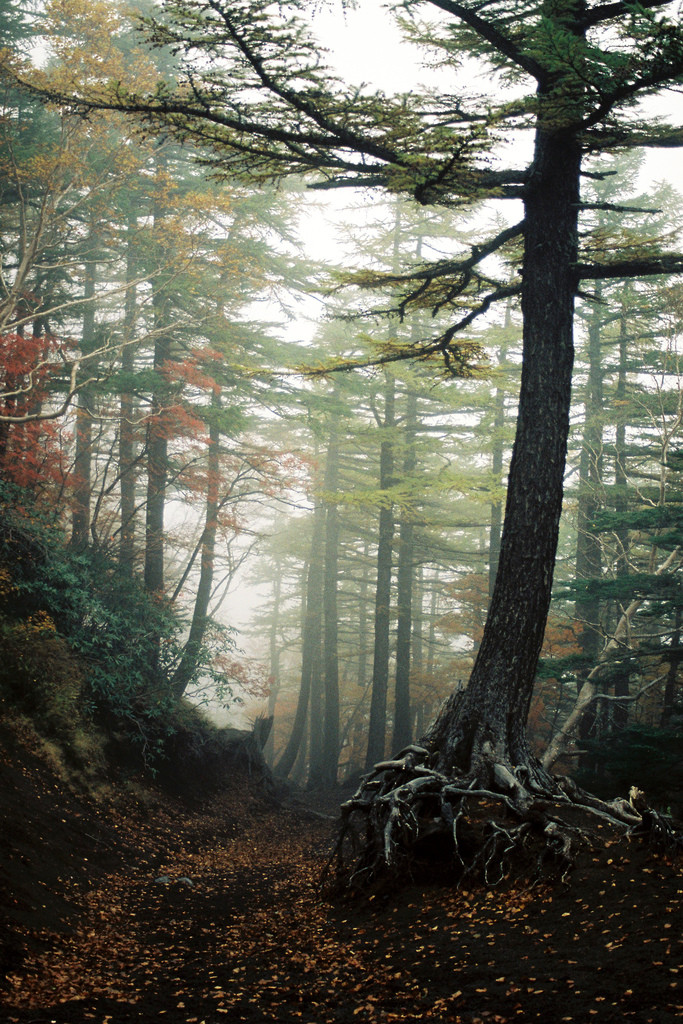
<point>341,424</point>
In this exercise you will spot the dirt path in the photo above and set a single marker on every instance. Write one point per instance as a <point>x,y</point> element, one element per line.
<point>237,931</point>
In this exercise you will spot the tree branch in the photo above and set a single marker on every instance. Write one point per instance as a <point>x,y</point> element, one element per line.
<point>502,43</point>
<point>667,264</point>
<point>608,12</point>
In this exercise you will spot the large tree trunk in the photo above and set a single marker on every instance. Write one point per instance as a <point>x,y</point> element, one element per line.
<point>490,715</point>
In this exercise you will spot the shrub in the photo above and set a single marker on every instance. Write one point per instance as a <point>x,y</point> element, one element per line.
<point>39,673</point>
<point>77,629</point>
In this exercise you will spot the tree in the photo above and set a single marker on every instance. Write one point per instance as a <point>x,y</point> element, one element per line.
<point>380,666</point>
<point>577,71</point>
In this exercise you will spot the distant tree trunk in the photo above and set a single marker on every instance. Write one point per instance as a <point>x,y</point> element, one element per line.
<point>127,411</point>
<point>161,400</point>
<point>404,599</point>
<point>418,648</point>
<point>621,682</point>
<point>588,546</point>
<point>315,717</point>
<point>274,660</point>
<point>310,646</point>
<point>670,685</point>
<point>298,772</point>
<point>330,749</point>
<point>362,654</point>
<point>85,409</point>
<point>497,452</point>
<point>189,661</point>
<point>620,476</point>
<point>380,669</point>
<point>157,459</point>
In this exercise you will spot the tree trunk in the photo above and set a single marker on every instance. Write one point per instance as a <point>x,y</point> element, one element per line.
<point>675,656</point>
<point>274,658</point>
<point>127,412</point>
<point>490,716</point>
<point>157,459</point>
<point>620,476</point>
<point>417,650</point>
<point>80,519</point>
<point>362,663</point>
<point>588,547</point>
<point>315,717</point>
<point>380,668</point>
<point>330,751</point>
<point>404,600</point>
<point>189,661</point>
<point>497,452</point>
<point>310,646</point>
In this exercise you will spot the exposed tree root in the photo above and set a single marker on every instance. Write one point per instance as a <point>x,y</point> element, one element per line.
<point>489,824</point>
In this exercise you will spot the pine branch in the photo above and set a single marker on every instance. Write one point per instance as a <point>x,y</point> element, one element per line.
<point>611,140</point>
<point>450,268</point>
<point>502,43</point>
<point>619,208</point>
<point>608,12</point>
<point>668,264</point>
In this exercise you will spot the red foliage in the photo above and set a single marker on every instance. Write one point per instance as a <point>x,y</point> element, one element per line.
<point>249,677</point>
<point>30,451</point>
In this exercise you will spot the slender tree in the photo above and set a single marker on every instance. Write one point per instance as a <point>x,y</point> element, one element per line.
<point>385,542</point>
<point>330,751</point>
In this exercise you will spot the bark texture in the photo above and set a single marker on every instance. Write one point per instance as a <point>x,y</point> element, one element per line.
<point>491,713</point>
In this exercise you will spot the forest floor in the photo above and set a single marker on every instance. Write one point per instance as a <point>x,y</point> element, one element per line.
<point>146,908</point>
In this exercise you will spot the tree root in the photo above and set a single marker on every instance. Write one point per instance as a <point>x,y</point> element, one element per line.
<point>488,825</point>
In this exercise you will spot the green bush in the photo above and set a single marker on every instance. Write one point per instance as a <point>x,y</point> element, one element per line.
<point>61,608</point>
<point>39,673</point>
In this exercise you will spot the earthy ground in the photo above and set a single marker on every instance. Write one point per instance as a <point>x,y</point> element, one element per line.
<point>239,930</point>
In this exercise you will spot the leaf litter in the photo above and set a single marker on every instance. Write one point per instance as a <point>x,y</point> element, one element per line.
<point>254,939</point>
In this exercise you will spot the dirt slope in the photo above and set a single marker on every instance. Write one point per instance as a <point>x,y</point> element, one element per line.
<point>148,909</point>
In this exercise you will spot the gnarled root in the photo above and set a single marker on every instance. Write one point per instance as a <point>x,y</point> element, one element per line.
<point>487,824</point>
